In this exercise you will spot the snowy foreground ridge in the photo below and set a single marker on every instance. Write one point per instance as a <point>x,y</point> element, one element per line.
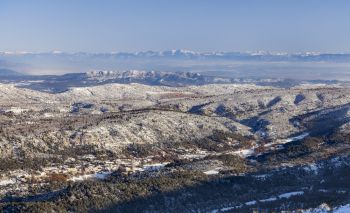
<point>232,147</point>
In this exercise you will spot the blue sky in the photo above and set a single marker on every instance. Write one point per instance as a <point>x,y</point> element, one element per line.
<point>200,25</point>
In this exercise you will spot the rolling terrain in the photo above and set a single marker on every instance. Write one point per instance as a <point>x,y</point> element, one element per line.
<point>201,146</point>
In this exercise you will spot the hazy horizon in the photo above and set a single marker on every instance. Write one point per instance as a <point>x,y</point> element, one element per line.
<point>204,26</point>
<point>257,52</point>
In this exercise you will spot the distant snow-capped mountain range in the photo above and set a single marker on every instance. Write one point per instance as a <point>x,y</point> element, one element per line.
<point>188,54</point>
<point>259,64</point>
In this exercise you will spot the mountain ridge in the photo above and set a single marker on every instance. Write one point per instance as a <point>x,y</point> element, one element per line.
<point>8,72</point>
<point>61,83</point>
<point>189,54</point>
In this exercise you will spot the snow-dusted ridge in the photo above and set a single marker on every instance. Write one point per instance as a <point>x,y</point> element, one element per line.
<point>188,53</point>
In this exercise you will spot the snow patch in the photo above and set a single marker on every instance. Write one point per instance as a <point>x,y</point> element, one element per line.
<point>249,203</point>
<point>244,152</point>
<point>268,199</point>
<point>212,172</point>
<point>324,208</point>
<point>296,138</point>
<point>290,194</point>
<point>100,176</point>
<point>311,168</point>
<point>155,166</point>
<point>6,182</point>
